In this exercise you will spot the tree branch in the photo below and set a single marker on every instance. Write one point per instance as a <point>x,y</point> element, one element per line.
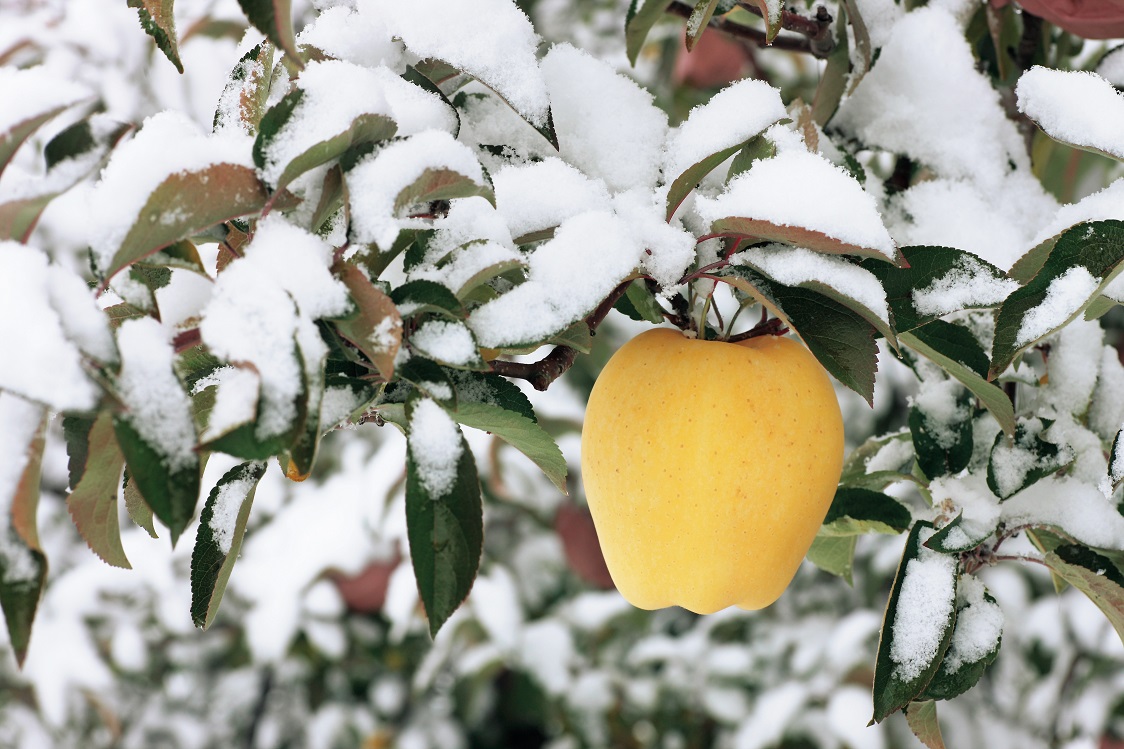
<point>748,33</point>
<point>548,369</point>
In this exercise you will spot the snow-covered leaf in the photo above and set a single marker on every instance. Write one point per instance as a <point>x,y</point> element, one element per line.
<point>879,454</point>
<point>942,437</point>
<point>954,537</point>
<point>698,21</point>
<point>937,281</point>
<point>771,11</point>
<point>185,204</point>
<point>1094,575</point>
<point>302,131</point>
<point>1075,107</point>
<point>642,16</point>
<point>771,202</point>
<point>300,456</point>
<point>918,626</point>
<point>243,100</point>
<point>975,641</point>
<point>839,337</point>
<point>1082,262</point>
<point>158,21</point>
<point>519,432</point>
<point>1015,465</point>
<point>955,350</point>
<point>93,503</point>
<point>274,18</point>
<point>32,97</point>
<point>376,327</point>
<point>430,379</point>
<point>1116,459</point>
<point>448,342</point>
<point>222,525</point>
<point>444,515</point>
<point>922,720</point>
<point>71,156</point>
<point>23,566</point>
<point>848,284</point>
<point>854,512</point>
<point>422,296</point>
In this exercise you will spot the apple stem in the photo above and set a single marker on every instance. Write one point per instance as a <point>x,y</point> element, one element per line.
<point>773,326</point>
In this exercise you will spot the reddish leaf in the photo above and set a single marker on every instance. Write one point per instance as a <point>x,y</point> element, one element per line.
<point>159,22</point>
<point>93,503</point>
<point>376,328</point>
<point>187,203</point>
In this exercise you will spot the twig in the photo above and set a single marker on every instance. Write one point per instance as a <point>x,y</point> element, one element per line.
<point>817,30</point>
<point>548,369</point>
<point>790,43</point>
<point>259,707</point>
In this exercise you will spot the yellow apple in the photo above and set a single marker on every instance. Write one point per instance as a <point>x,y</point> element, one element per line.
<point>709,467</point>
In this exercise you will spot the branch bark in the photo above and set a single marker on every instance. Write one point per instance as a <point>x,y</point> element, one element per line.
<point>548,369</point>
<point>748,33</point>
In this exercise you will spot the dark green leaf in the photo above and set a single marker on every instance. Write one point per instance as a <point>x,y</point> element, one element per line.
<point>159,22</point>
<point>957,352</point>
<point>171,494</point>
<point>841,339</point>
<point>420,79</point>
<point>274,19</point>
<point>977,614</point>
<point>76,432</point>
<point>444,515</point>
<point>491,389</point>
<point>93,503</point>
<point>935,268</point>
<point>222,525</point>
<point>897,683</point>
<point>518,431</point>
<point>682,185</point>
<point>854,512</point>
<point>756,148</point>
<point>943,447</point>
<point>639,303</point>
<point>431,379</point>
<point>956,537</point>
<point>1091,254</point>
<point>419,296</point>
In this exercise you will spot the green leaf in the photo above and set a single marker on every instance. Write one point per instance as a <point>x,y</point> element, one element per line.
<point>855,466</point>
<point>698,21</point>
<point>756,148</point>
<point>958,353</point>
<point>416,76</point>
<point>1083,261</point>
<point>977,615</point>
<point>854,512</point>
<point>187,203</point>
<point>222,525</point>
<point>490,389</point>
<point>943,447</point>
<point>375,328</point>
<point>833,80</point>
<point>420,296</point>
<point>772,22</point>
<point>93,503</point>
<point>276,125</point>
<point>274,18</point>
<point>863,47</point>
<point>300,458</point>
<point>1094,575</point>
<point>683,184</point>
<point>444,515</point>
<point>13,138</point>
<point>577,336</point>
<point>431,379</point>
<point>922,720</point>
<point>249,83</point>
<point>937,270</point>
<point>1099,307</point>
<point>896,684</point>
<point>139,511</point>
<point>518,431</point>
<point>642,16</point>
<point>1014,466</point>
<point>171,494</point>
<point>834,555</point>
<point>639,303</point>
<point>158,21</point>
<point>841,339</point>
<point>23,566</point>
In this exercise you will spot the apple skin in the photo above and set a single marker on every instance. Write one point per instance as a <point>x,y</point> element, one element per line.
<point>709,467</point>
